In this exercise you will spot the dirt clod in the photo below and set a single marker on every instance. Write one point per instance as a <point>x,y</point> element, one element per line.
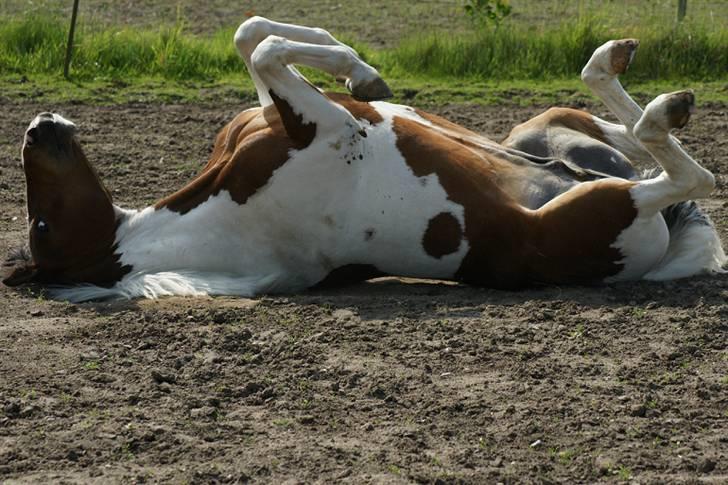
<point>638,411</point>
<point>163,377</point>
<point>706,465</point>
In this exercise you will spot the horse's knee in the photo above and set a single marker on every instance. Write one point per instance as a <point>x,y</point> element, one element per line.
<point>703,185</point>
<point>269,55</point>
<point>323,37</point>
<point>250,34</point>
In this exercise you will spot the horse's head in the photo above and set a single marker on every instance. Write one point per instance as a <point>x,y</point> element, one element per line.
<point>71,219</point>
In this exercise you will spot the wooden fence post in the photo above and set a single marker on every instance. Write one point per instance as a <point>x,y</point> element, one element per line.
<point>69,46</point>
<point>682,8</point>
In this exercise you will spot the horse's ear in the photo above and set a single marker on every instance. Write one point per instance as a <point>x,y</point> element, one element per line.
<point>18,269</point>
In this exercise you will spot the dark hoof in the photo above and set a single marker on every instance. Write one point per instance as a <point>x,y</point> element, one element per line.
<point>374,90</point>
<point>679,107</point>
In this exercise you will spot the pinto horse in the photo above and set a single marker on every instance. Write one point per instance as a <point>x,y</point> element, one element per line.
<point>316,188</point>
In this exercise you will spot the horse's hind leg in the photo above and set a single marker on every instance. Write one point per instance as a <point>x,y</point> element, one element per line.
<point>694,244</point>
<point>601,75</point>
<point>649,130</point>
<point>683,178</point>
<point>586,140</point>
<point>361,79</point>
<point>602,72</point>
<point>627,214</point>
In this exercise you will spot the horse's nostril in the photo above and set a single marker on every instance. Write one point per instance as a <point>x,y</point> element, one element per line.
<point>30,136</point>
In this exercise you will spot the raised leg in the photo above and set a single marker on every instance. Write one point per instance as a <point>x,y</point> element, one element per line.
<point>361,79</point>
<point>683,178</point>
<point>601,75</point>
<point>304,110</point>
<point>694,246</point>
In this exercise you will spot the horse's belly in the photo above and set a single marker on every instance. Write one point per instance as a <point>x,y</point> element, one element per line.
<point>332,205</point>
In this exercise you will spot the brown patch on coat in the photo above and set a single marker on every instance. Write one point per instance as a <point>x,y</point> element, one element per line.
<point>75,243</point>
<point>299,131</point>
<point>572,237</point>
<point>443,235</point>
<point>566,241</point>
<point>358,109</point>
<point>246,154</point>
<point>495,226</point>
<point>249,149</point>
<point>572,119</point>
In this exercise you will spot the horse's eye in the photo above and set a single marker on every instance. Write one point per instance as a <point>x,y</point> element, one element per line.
<point>41,226</point>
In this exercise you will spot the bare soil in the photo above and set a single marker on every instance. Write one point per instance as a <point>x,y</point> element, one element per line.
<point>389,381</point>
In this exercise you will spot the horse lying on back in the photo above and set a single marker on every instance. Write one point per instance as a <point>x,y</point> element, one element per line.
<point>313,188</point>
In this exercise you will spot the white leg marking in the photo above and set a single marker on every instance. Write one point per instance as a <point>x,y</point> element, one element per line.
<point>620,138</point>
<point>682,179</point>
<point>272,59</point>
<point>687,250</point>
<point>601,72</point>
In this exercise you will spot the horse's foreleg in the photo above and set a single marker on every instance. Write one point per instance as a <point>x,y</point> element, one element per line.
<point>361,79</point>
<point>303,108</point>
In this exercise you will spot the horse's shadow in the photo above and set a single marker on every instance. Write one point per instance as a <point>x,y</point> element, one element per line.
<point>384,298</point>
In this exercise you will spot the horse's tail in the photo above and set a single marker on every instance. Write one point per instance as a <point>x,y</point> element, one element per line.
<point>694,246</point>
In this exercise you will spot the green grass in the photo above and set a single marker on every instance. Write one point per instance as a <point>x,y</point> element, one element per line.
<point>37,46</point>
<point>515,63</point>
<point>685,51</point>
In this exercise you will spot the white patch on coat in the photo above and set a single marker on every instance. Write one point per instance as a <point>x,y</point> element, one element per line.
<point>643,245</point>
<point>398,205</point>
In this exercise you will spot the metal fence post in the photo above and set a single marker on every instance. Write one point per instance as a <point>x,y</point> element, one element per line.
<point>682,8</point>
<point>69,46</point>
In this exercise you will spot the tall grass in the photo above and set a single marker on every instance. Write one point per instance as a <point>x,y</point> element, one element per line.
<point>37,45</point>
<point>30,46</point>
<point>515,52</point>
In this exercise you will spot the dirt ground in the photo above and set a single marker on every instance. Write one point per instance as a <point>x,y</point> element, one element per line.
<point>384,382</point>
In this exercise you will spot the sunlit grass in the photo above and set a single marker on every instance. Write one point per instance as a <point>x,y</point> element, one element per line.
<point>485,65</point>
<point>37,45</point>
<point>684,51</point>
